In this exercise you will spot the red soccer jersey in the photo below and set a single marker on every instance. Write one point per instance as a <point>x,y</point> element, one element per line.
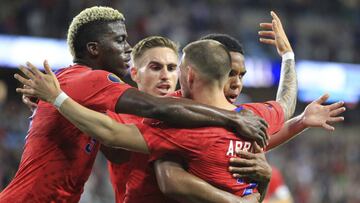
<point>137,175</point>
<point>57,157</point>
<point>207,150</point>
<point>276,188</point>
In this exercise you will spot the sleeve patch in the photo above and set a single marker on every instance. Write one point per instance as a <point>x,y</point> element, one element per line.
<point>113,78</point>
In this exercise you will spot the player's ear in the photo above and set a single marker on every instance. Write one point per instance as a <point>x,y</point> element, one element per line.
<point>190,76</point>
<point>93,48</point>
<point>134,74</point>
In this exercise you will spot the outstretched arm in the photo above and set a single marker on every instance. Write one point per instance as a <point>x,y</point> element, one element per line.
<point>174,181</point>
<point>94,124</point>
<point>315,115</point>
<point>287,90</point>
<point>170,110</point>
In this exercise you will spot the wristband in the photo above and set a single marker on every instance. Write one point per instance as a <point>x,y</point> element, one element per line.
<point>288,55</point>
<point>60,99</point>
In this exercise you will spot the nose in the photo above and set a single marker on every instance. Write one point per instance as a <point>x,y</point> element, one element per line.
<point>128,48</point>
<point>235,84</point>
<point>164,73</point>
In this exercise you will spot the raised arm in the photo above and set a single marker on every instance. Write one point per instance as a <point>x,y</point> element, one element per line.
<point>315,115</point>
<point>175,182</point>
<point>287,90</point>
<point>170,110</point>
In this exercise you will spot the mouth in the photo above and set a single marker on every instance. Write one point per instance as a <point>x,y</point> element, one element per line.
<point>232,97</point>
<point>163,88</point>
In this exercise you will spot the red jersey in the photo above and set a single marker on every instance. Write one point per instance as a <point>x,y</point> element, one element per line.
<point>277,188</point>
<point>138,176</point>
<point>58,158</point>
<point>207,150</point>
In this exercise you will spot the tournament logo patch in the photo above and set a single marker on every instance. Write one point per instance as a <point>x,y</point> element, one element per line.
<point>113,78</point>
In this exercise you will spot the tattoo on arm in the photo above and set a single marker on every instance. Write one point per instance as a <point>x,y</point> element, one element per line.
<point>287,91</point>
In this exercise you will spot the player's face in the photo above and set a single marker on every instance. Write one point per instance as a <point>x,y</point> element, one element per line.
<point>114,52</point>
<point>156,73</point>
<point>234,85</point>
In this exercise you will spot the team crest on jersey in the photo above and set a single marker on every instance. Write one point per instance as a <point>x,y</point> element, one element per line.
<point>113,78</point>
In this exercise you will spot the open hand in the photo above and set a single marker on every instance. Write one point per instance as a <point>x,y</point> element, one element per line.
<point>274,34</point>
<point>318,115</point>
<point>43,86</point>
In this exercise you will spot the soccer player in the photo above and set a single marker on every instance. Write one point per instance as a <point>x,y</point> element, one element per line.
<point>57,157</point>
<point>278,192</point>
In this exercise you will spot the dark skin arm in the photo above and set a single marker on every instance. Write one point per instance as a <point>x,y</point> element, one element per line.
<point>192,114</point>
<point>252,166</point>
<point>174,181</point>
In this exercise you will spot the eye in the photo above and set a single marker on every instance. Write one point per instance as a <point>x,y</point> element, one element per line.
<point>155,68</point>
<point>121,39</point>
<point>172,68</point>
<point>232,73</point>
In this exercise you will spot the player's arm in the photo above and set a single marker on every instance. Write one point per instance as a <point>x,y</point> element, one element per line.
<point>315,115</point>
<point>287,91</point>
<point>94,124</point>
<point>170,110</point>
<point>174,181</point>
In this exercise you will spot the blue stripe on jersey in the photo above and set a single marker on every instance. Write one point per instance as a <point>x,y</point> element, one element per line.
<point>239,108</point>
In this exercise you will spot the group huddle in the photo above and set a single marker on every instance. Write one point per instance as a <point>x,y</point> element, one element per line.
<point>162,144</point>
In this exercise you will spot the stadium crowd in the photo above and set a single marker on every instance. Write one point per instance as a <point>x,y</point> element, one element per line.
<point>183,21</point>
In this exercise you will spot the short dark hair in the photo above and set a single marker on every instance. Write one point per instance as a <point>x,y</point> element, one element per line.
<point>210,58</point>
<point>228,41</point>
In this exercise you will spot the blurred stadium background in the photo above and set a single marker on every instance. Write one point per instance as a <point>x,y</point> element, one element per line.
<point>318,166</point>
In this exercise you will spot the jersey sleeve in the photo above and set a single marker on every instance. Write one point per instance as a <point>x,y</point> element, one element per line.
<point>99,90</point>
<point>271,112</point>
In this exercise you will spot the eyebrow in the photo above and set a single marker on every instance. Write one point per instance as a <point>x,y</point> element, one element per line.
<point>161,64</point>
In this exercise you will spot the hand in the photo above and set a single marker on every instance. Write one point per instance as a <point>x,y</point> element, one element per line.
<point>43,86</point>
<point>28,101</point>
<point>251,165</point>
<point>251,127</point>
<point>276,34</point>
<point>318,115</point>
<point>252,198</point>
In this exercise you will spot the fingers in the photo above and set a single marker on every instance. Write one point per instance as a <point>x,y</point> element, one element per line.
<point>263,138</point>
<point>336,105</point>
<point>267,41</point>
<point>267,34</point>
<point>25,91</point>
<point>266,26</point>
<point>47,68</point>
<point>322,99</point>
<point>242,154</point>
<point>264,123</point>
<point>24,81</point>
<point>242,170</point>
<point>337,111</point>
<point>257,148</point>
<point>26,72</point>
<point>274,16</point>
<point>328,127</point>
<point>34,70</point>
<point>237,162</point>
<point>335,119</point>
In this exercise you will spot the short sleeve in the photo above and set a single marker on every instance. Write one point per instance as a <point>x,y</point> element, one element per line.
<point>99,90</point>
<point>271,112</point>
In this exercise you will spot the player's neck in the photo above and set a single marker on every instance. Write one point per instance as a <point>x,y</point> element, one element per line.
<point>212,97</point>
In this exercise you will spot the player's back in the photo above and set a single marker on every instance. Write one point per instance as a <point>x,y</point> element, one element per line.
<point>205,150</point>
<point>57,157</point>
